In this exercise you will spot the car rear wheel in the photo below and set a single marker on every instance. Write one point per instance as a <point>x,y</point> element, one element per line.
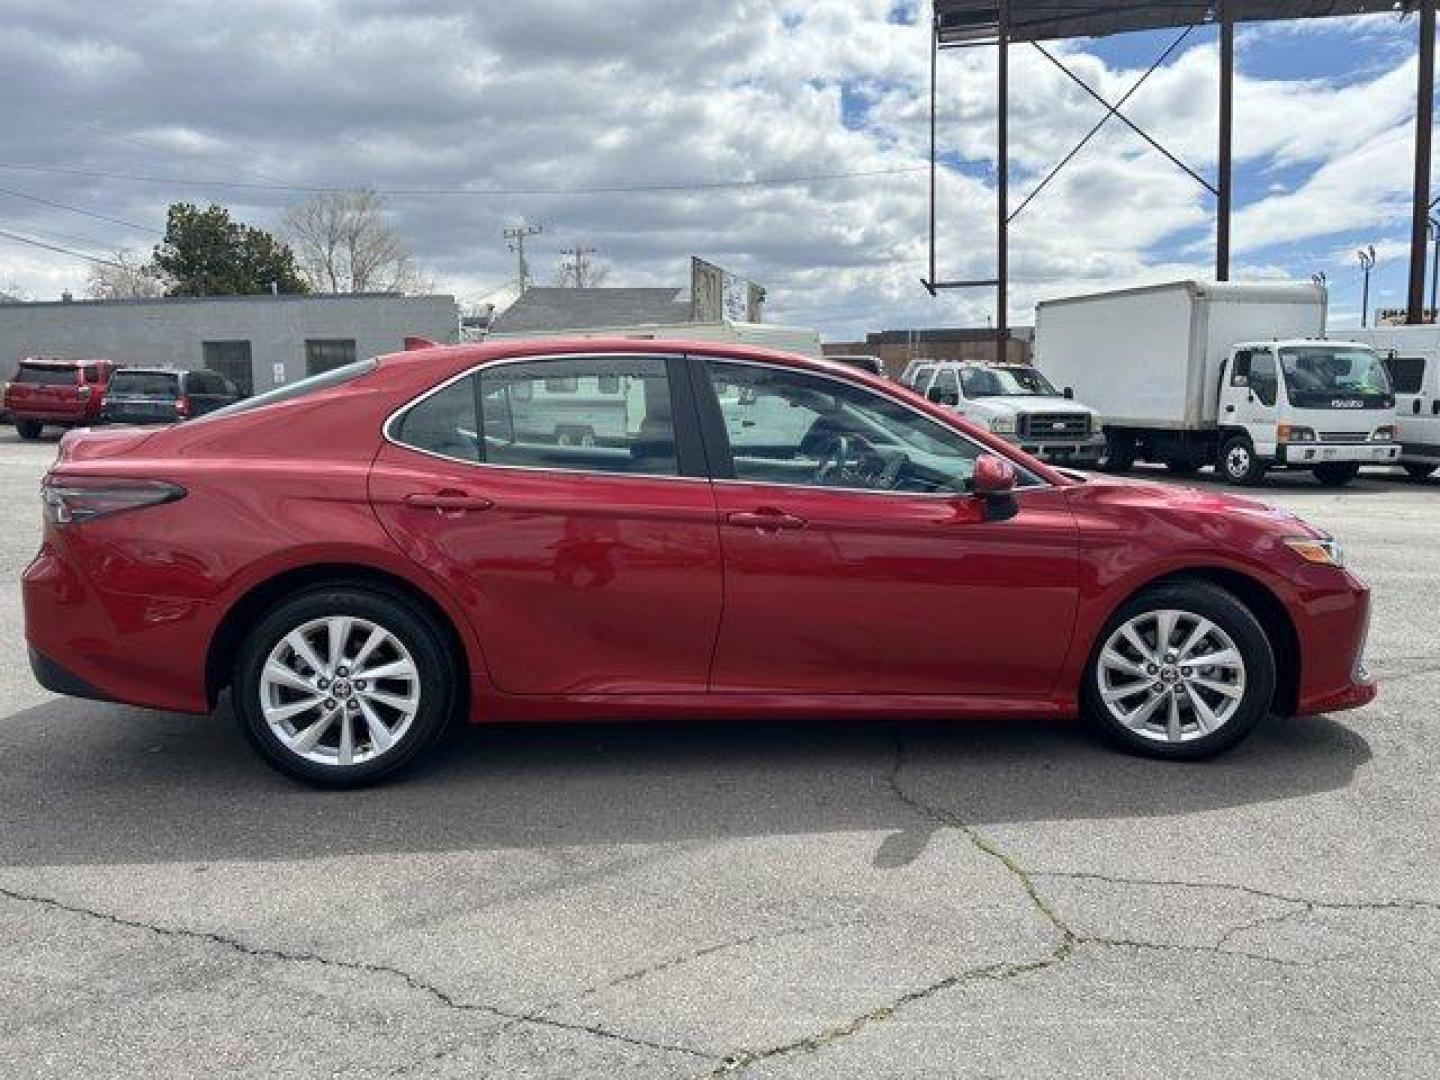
<point>344,684</point>
<point>1239,463</point>
<point>1337,473</point>
<point>1181,672</point>
<point>29,429</point>
<point>1420,471</point>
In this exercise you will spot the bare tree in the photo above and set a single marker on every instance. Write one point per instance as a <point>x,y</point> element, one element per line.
<point>577,270</point>
<point>125,277</point>
<point>344,243</point>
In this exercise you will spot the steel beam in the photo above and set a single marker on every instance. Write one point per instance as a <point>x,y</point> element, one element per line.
<point>1224,172</point>
<point>1424,119</point>
<point>1002,182</point>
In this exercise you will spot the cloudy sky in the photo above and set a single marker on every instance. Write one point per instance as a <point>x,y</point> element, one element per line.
<point>479,114</point>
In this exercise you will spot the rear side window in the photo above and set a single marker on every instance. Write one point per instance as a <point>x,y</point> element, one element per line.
<point>1407,373</point>
<point>145,384</point>
<point>608,414</point>
<point>46,375</point>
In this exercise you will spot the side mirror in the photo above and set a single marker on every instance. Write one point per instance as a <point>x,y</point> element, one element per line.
<point>1069,393</point>
<point>993,476</point>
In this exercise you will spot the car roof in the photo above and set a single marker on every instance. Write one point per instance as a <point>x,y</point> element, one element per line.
<point>58,362</point>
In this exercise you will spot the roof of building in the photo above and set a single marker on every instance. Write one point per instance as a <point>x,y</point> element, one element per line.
<point>963,21</point>
<point>541,310</point>
<point>247,298</point>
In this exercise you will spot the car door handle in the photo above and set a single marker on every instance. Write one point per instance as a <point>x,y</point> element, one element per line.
<point>765,520</point>
<point>448,501</point>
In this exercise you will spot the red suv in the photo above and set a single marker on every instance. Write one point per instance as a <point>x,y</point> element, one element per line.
<point>66,393</point>
<point>740,533</point>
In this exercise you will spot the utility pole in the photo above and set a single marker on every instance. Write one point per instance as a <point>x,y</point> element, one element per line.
<point>1367,263</point>
<point>576,268</point>
<point>517,236</point>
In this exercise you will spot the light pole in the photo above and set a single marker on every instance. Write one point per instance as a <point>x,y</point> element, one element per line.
<point>1435,270</point>
<point>1367,263</point>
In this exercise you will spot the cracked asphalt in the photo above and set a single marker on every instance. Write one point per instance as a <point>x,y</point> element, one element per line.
<point>759,900</point>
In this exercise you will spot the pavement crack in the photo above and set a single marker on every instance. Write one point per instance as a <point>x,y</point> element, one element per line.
<point>420,986</point>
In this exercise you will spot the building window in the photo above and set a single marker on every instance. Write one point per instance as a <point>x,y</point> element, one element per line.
<point>327,354</point>
<point>232,360</point>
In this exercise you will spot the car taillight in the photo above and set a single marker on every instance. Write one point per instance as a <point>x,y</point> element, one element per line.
<point>182,408</point>
<point>72,502</point>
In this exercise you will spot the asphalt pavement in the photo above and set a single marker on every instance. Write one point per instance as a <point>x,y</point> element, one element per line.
<point>760,900</point>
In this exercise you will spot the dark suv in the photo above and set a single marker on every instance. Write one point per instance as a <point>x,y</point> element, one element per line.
<point>164,395</point>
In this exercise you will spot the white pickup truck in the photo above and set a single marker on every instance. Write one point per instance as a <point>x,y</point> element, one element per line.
<point>1239,376</point>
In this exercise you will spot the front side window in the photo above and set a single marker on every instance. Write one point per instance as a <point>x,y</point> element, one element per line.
<point>608,414</point>
<point>947,387</point>
<point>921,382</point>
<point>789,427</point>
<point>1407,373</point>
<point>1263,381</point>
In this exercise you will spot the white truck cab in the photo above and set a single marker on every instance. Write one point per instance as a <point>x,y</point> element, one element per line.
<point>1017,403</point>
<point>1412,358</point>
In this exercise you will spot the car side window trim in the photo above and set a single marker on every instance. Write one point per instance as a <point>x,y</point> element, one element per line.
<point>692,468</point>
<point>717,439</point>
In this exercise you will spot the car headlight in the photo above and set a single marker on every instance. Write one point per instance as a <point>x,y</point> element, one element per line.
<point>1322,551</point>
<point>1002,425</point>
<point>1289,433</point>
<point>1383,433</point>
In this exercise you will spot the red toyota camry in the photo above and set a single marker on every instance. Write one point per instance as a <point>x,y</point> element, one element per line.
<point>622,529</point>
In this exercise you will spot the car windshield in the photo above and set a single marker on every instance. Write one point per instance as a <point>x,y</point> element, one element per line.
<point>1333,371</point>
<point>45,375</point>
<point>162,384</point>
<point>1005,382</point>
<point>315,383</point>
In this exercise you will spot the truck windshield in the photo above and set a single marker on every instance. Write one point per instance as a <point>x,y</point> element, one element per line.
<point>1005,382</point>
<point>1334,376</point>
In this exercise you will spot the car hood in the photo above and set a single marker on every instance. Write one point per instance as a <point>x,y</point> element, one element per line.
<point>1121,493</point>
<point>1020,404</point>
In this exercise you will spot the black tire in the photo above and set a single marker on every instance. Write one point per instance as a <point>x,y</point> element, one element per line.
<point>1231,616</point>
<point>29,429</point>
<point>1337,473</point>
<point>1181,467</point>
<point>1420,472</point>
<point>1119,456</point>
<point>1239,464</point>
<point>402,617</point>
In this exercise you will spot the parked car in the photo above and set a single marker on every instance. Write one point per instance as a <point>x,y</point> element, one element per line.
<point>164,395</point>
<point>58,392</point>
<point>1412,360</point>
<point>1017,403</point>
<point>360,555</point>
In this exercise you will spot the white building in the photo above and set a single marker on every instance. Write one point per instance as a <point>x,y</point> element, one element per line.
<point>255,341</point>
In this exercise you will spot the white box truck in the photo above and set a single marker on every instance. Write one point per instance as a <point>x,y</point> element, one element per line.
<point>1239,376</point>
<point>1412,357</point>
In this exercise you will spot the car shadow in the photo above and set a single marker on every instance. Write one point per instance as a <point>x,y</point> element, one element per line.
<point>1371,481</point>
<point>84,783</point>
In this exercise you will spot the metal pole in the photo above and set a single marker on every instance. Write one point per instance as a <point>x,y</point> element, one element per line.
<point>1424,119</point>
<point>1227,126</point>
<point>1435,270</point>
<point>934,53</point>
<point>1002,184</point>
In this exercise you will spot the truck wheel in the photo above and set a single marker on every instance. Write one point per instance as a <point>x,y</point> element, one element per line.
<point>1337,473</point>
<point>1239,464</point>
<point>1182,671</point>
<point>29,429</point>
<point>1420,472</point>
<point>1119,453</point>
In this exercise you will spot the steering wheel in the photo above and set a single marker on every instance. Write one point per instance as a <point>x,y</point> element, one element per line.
<point>853,456</point>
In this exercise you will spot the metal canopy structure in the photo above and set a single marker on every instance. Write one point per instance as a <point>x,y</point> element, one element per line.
<point>1000,23</point>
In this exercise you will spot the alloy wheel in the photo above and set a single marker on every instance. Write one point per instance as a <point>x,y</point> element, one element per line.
<point>1171,676</point>
<point>339,691</point>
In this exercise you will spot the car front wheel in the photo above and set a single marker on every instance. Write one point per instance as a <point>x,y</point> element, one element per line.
<point>341,685</point>
<point>29,429</point>
<point>1183,671</point>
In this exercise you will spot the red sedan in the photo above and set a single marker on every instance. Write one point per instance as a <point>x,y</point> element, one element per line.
<point>622,529</point>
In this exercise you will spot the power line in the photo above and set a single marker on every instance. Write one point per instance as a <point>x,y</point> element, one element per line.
<point>62,250</point>
<point>77,210</point>
<point>800,180</point>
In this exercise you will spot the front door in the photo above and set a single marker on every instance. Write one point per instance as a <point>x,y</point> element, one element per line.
<point>855,562</point>
<point>588,566</point>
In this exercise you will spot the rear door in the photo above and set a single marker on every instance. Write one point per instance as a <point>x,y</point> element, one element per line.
<point>588,566</point>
